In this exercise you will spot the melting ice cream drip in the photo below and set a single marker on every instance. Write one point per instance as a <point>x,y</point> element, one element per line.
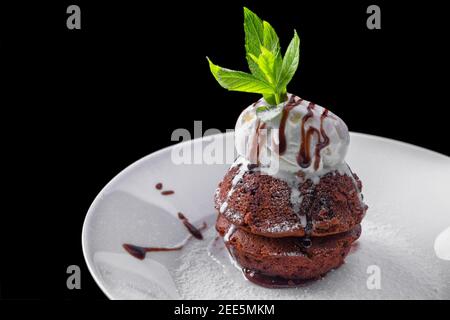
<point>229,233</point>
<point>242,169</point>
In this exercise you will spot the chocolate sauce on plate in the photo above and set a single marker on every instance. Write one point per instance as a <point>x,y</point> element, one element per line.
<point>271,281</point>
<point>159,186</point>
<point>192,230</point>
<point>140,252</point>
<point>167,192</point>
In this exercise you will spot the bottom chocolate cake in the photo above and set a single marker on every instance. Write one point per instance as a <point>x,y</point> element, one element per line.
<point>285,262</point>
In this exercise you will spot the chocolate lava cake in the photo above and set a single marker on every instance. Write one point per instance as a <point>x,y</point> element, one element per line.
<point>290,207</point>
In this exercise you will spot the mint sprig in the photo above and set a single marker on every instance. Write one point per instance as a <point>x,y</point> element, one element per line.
<point>270,72</point>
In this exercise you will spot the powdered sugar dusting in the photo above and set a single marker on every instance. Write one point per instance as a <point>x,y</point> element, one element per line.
<point>406,273</point>
<point>284,226</point>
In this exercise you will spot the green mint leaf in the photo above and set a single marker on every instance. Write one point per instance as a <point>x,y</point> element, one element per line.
<point>270,72</point>
<point>290,63</point>
<point>263,52</point>
<point>271,99</point>
<point>252,61</point>
<point>239,81</point>
<point>262,109</point>
<point>254,32</point>
<point>254,39</point>
<point>271,41</point>
<point>266,63</point>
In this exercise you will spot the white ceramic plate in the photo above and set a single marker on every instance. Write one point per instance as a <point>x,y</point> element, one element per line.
<point>406,187</point>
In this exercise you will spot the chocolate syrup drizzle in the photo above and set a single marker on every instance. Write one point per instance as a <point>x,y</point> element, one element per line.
<point>140,252</point>
<point>285,114</point>
<point>303,156</point>
<point>255,146</point>
<point>322,143</point>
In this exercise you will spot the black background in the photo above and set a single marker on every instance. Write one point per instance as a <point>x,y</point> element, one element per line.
<point>81,105</point>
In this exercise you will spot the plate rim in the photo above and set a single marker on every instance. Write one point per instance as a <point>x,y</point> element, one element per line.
<point>124,171</point>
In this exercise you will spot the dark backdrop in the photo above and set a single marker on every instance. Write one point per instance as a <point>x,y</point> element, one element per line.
<point>81,105</point>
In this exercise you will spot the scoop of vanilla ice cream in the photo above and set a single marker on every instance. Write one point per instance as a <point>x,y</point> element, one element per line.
<point>257,136</point>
